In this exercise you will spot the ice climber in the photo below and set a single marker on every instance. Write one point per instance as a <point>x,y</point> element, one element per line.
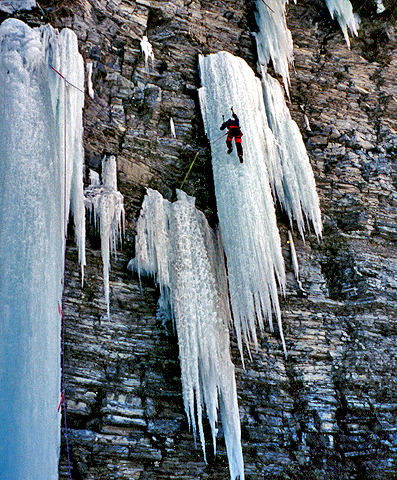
<point>233,131</point>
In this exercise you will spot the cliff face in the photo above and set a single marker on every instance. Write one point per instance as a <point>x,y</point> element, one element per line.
<point>327,412</point>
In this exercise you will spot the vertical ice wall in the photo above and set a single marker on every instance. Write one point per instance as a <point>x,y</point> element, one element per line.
<point>175,244</point>
<point>244,200</point>
<point>107,208</point>
<point>274,40</point>
<point>32,206</point>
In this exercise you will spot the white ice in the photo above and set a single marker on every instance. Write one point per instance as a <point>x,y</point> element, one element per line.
<point>244,200</point>
<point>294,258</point>
<point>89,80</point>
<point>380,8</point>
<point>94,177</point>
<point>106,205</point>
<point>172,128</point>
<point>291,174</point>
<point>147,51</point>
<point>67,96</point>
<point>12,6</point>
<point>342,10</point>
<point>175,244</point>
<point>32,226</point>
<point>274,40</point>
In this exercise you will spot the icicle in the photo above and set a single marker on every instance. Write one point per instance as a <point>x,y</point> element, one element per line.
<point>89,80</point>
<point>244,199</point>
<point>172,128</point>
<point>68,102</point>
<point>147,51</point>
<point>343,11</point>
<point>108,211</point>
<point>175,244</point>
<point>274,40</point>
<point>294,259</point>
<point>291,175</point>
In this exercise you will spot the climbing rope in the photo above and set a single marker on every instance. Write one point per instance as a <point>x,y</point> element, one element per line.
<point>61,308</point>
<point>197,154</point>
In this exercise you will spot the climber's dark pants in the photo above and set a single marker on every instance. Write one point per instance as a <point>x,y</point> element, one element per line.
<point>237,139</point>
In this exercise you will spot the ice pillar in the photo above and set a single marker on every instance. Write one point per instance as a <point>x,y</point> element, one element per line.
<point>32,226</point>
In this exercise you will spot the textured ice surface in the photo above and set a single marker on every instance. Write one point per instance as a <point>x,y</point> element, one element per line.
<point>89,80</point>
<point>274,40</point>
<point>107,209</point>
<point>33,209</point>
<point>11,6</point>
<point>291,174</point>
<point>175,244</point>
<point>342,10</point>
<point>244,200</point>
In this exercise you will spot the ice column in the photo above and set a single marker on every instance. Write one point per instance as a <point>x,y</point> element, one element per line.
<point>274,40</point>
<point>107,207</point>
<point>175,244</point>
<point>32,226</point>
<point>244,200</point>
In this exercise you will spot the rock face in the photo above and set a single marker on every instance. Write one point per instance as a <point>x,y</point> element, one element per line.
<point>327,412</point>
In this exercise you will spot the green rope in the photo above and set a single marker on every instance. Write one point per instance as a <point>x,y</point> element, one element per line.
<point>197,154</point>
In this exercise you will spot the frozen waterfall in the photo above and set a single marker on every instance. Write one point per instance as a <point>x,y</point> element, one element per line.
<point>291,174</point>
<point>106,206</point>
<point>175,245</point>
<point>34,205</point>
<point>274,40</point>
<point>244,200</point>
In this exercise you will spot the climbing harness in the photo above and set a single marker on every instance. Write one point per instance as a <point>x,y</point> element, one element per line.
<point>197,154</point>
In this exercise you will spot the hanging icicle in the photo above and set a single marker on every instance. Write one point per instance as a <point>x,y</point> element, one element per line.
<point>106,205</point>
<point>176,246</point>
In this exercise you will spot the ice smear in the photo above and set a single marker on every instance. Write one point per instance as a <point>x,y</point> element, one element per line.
<point>12,6</point>
<point>147,51</point>
<point>342,10</point>
<point>106,205</point>
<point>291,174</point>
<point>32,227</point>
<point>274,40</point>
<point>244,200</point>
<point>175,244</point>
